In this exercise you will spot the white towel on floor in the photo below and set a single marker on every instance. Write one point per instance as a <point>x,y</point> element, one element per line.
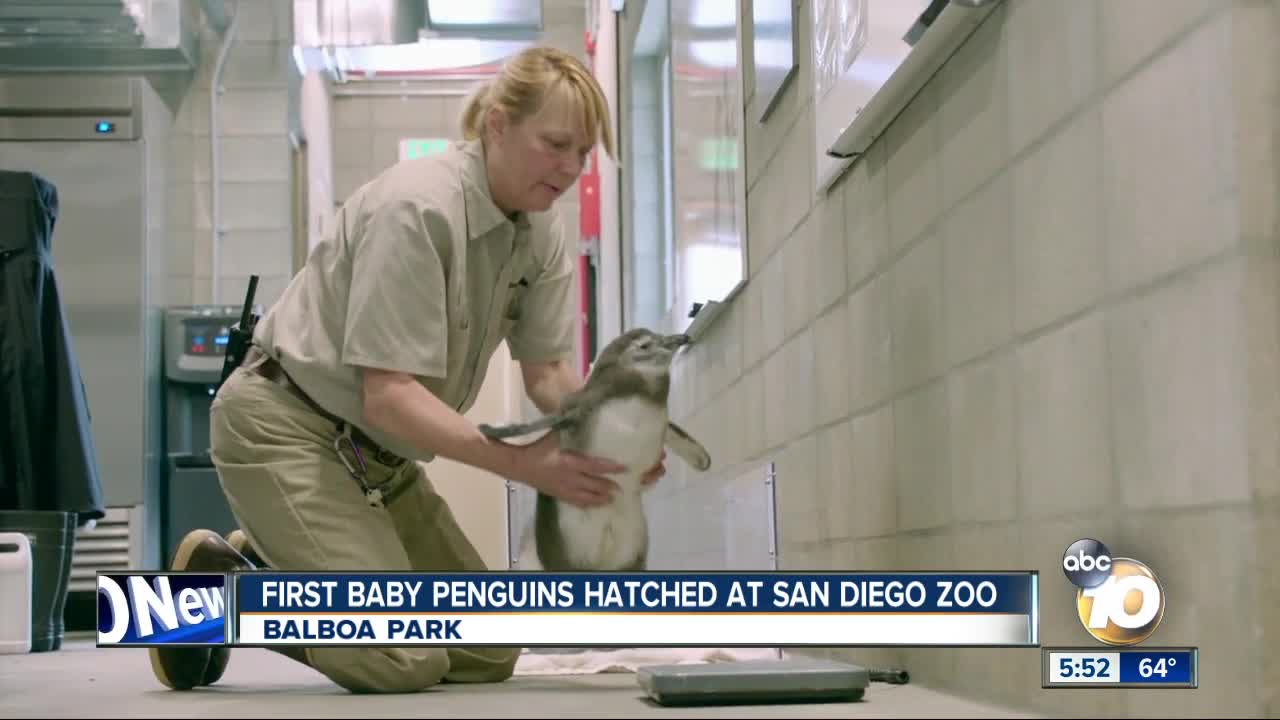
<point>628,659</point>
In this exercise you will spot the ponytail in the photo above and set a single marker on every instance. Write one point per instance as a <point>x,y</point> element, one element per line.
<point>474,110</point>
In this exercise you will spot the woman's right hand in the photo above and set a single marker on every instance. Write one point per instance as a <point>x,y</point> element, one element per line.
<point>565,475</point>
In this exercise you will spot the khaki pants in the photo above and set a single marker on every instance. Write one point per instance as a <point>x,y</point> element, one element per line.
<point>302,511</point>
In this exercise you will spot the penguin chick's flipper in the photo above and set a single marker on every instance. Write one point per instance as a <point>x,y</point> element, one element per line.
<point>517,429</point>
<point>690,450</point>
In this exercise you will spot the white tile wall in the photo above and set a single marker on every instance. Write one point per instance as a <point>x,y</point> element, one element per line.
<point>1257,115</point>
<point>244,158</point>
<point>777,398</point>
<point>1056,227</point>
<point>1057,314</point>
<point>799,271</point>
<point>826,226</point>
<point>1262,363</point>
<point>257,205</point>
<point>1133,32</point>
<point>973,111</point>
<point>797,499</point>
<point>249,111</point>
<point>978,273</point>
<point>867,499</point>
<point>912,168</point>
<point>1178,392</point>
<point>801,392</point>
<point>834,464</point>
<point>866,216</point>
<point>1064,442</point>
<point>772,279</point>
<point>982,441</point>
<point>871,353</point>
<point>831,369</point>
<point>255,164</point>
<point>1050,74</point>
<point>922,460</point>
<point>1169,180</point>
<point>918,312</point>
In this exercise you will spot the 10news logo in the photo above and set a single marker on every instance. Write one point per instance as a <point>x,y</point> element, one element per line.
<point>1119,600</point>
<point>161,609</point>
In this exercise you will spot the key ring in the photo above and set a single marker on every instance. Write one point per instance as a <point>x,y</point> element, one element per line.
<point>360,471</point>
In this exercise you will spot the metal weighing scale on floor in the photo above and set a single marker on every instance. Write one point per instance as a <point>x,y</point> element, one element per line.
<point>754,682</point>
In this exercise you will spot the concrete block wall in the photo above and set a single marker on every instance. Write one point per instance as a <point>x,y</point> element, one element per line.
<point>367,131</point>
<point>1045,306</point>
<point>254,126</point>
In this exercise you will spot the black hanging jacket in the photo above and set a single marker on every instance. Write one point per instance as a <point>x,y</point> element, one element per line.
<point>47,457</point>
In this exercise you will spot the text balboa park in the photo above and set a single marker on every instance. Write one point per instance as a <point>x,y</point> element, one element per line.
<point>387,629</point>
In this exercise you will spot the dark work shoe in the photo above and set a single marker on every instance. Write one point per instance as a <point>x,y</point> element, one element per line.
<point>219,657</point>
<point>183,668</point>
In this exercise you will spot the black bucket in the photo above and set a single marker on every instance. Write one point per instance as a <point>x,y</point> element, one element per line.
<point>52,535</point>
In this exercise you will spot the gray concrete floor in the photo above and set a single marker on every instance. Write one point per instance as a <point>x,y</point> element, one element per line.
<point>84,681</point>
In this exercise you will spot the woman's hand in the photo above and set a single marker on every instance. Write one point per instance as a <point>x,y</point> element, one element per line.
<point>566,475</point>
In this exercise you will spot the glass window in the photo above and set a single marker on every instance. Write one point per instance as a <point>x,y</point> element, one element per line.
<point>484,14</point>
<point>648,263</point>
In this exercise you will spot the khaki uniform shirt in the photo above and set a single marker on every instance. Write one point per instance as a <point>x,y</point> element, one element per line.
<point>423,274</point>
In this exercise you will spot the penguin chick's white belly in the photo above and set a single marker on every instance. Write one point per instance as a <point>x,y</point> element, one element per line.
<point>629,431</point>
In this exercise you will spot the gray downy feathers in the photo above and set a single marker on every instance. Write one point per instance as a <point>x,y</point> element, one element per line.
<point>620,414</point>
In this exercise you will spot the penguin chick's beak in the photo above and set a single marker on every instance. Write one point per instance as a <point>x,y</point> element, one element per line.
<point>676,341</point>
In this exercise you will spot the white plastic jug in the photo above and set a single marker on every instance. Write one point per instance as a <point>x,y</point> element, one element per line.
<point>15,593</point>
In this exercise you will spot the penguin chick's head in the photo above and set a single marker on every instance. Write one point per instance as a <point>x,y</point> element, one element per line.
<point>643,349</point>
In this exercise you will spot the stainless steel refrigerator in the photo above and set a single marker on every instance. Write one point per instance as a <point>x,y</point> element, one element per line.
<point>102,141</point>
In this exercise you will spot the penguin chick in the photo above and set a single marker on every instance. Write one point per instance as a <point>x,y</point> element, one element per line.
<point>620,414</point>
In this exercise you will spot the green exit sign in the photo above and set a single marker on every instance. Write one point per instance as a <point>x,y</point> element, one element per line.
<point>411,148</point>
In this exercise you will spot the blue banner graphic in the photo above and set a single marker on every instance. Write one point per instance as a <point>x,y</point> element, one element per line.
<point>749,593</point>
<point>162,609</point>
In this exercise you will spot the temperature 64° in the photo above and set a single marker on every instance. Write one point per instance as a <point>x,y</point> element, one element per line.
<point>1155,666</point>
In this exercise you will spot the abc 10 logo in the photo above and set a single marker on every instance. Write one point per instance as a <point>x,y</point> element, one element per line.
<point>1119,600</point>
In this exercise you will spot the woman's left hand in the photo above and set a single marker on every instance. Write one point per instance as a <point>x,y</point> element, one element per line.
<point>656,472</point>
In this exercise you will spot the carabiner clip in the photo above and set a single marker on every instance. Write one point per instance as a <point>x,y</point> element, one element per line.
<point>360,471</point>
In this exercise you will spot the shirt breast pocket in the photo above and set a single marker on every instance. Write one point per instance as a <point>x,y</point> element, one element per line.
<point>516,294</point>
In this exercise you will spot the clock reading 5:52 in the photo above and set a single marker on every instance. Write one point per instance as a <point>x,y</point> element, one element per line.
<point>1084,667</point>
<point>1087,667</point>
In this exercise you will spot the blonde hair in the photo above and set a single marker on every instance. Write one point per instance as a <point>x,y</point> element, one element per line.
<point>528,80</point>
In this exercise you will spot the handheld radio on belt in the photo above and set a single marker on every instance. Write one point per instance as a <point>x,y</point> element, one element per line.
<point>241,335</point>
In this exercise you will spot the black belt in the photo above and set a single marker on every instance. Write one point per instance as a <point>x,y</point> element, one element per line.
<point>259,362</point>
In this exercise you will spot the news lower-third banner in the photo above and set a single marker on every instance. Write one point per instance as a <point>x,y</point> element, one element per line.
<point>591,609</point>
<point>642,609</point>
